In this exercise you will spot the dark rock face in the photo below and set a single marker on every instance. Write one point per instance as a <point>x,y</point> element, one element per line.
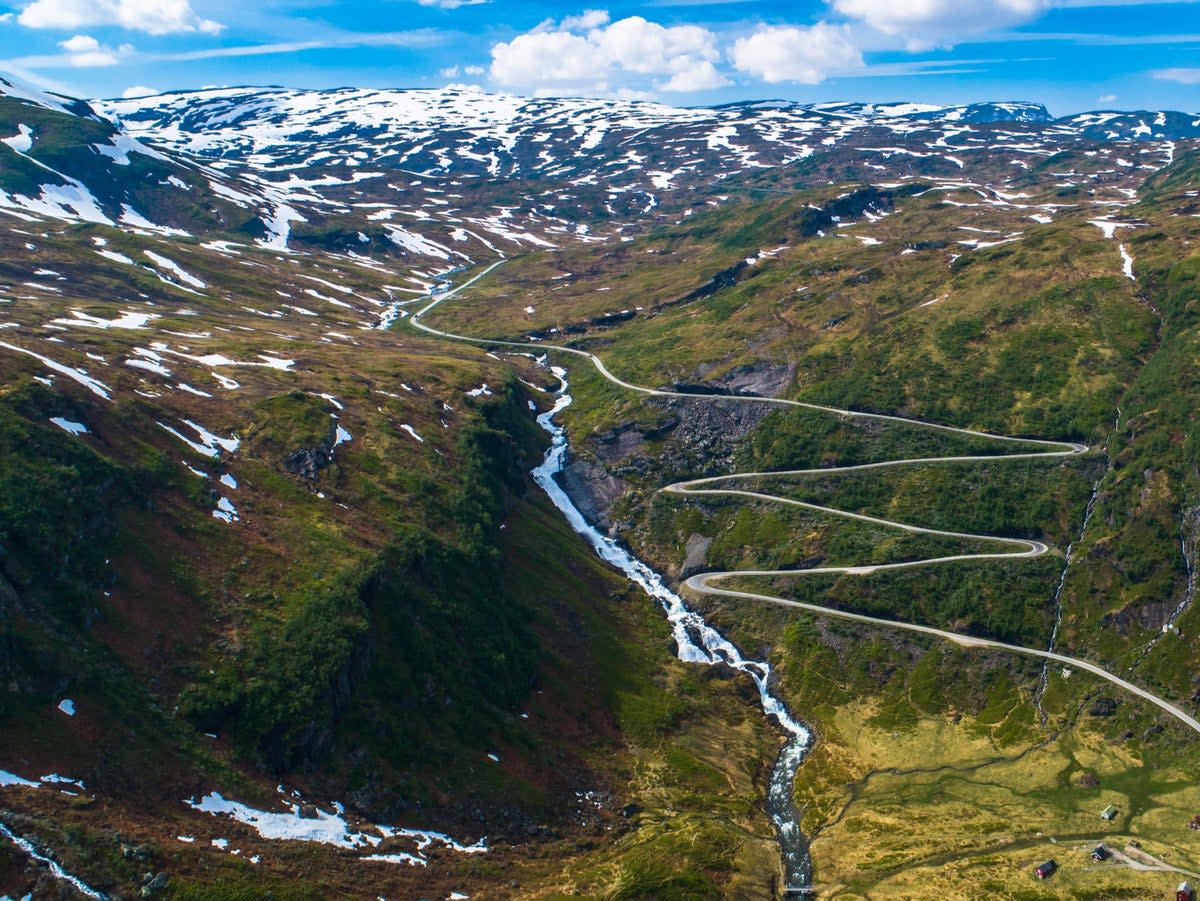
<point>704,438</point>
<point>700,389</point>
<point>726,278</point>
<point>619,443</point>
<point>593,490</point>
<point>1148,616</point>
<point>708,435</point>
<point>760,379</point>
<point>1103,707</point>
<point>697,555</point>
<point>613,318</point>
<point>309,461</point>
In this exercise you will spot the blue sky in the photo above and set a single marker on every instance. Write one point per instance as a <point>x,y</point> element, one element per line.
<point>1070,54</point>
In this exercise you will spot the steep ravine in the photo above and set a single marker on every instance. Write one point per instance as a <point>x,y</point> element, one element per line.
<point>697,642</point>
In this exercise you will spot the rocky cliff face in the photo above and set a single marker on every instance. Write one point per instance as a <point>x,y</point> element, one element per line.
<point>593,489</point>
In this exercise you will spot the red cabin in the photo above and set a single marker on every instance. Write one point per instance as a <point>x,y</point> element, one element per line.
<point>1185,892</point>
<point>1046,870</point>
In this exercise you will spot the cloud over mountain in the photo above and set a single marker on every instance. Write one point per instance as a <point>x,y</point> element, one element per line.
<point>589,50</point>
<point>787,53</point>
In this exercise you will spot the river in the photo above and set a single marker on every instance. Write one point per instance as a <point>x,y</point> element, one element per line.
<point>697,642</point>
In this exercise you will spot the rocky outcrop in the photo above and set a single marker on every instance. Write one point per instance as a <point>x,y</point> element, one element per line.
<point>708,435</point>
<point>726,278</point>
<point>1148,616</point>
<point>696,558</point>
<point>759,379</point>
<point>622,442</point>
<point>593,489</point>
<point>1103,707</point>
<point>309,461</point>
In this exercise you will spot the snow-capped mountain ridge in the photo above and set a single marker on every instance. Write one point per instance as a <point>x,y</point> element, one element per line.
<point>233,122</point>
<point>201,120</point>
<point>457,174</point>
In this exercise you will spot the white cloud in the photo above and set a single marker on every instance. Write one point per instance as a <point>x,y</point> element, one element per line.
<point>81,43</point>
<point>1181,75</point>
<point>541,57</point>
<point>703,76</point>
<point>648,48</point>
<point>807,55</point>
<point>631,94</point>
<point>1106,98</point>
<point>150,16</point>
<point>84,52</point>
<point>590,18</point>
<point>456,71</point>
<point>585,52</point>
<point>139,90</point>
<point>928,23</point>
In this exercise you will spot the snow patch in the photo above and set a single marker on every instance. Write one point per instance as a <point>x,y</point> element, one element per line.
<point>1108,226</point>
<point>226,511</point>
<point>184,386</point>
<point>1126,263</point>
<point>329,828</point>
<point>8,779</point>
<point>22,141</point>
<point>125,320</point>
<point>116,257</point>
<point>96,387</point>
<point>279,227</point>
<point>209,445</point>
<point>75,428</point>
<point>175,269</point>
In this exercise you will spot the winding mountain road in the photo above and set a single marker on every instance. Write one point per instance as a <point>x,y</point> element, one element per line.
<point>703,583</point>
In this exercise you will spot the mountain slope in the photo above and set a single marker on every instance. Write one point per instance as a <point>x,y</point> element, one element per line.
<point>235,506</point>
<point>258,532</point>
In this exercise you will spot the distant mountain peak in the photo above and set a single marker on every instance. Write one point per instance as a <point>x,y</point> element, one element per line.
<point>13,87</point>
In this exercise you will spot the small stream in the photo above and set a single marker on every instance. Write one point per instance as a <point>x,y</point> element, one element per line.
<point>697,642</point>
<point>30,849</point>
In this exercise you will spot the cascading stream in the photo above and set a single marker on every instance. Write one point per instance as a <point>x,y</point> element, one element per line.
<point>1043,681</point>
<point>30,849</point>
<point>697,642</point>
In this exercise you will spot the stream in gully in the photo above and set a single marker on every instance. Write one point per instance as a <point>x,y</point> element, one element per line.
<point>697,642</point>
